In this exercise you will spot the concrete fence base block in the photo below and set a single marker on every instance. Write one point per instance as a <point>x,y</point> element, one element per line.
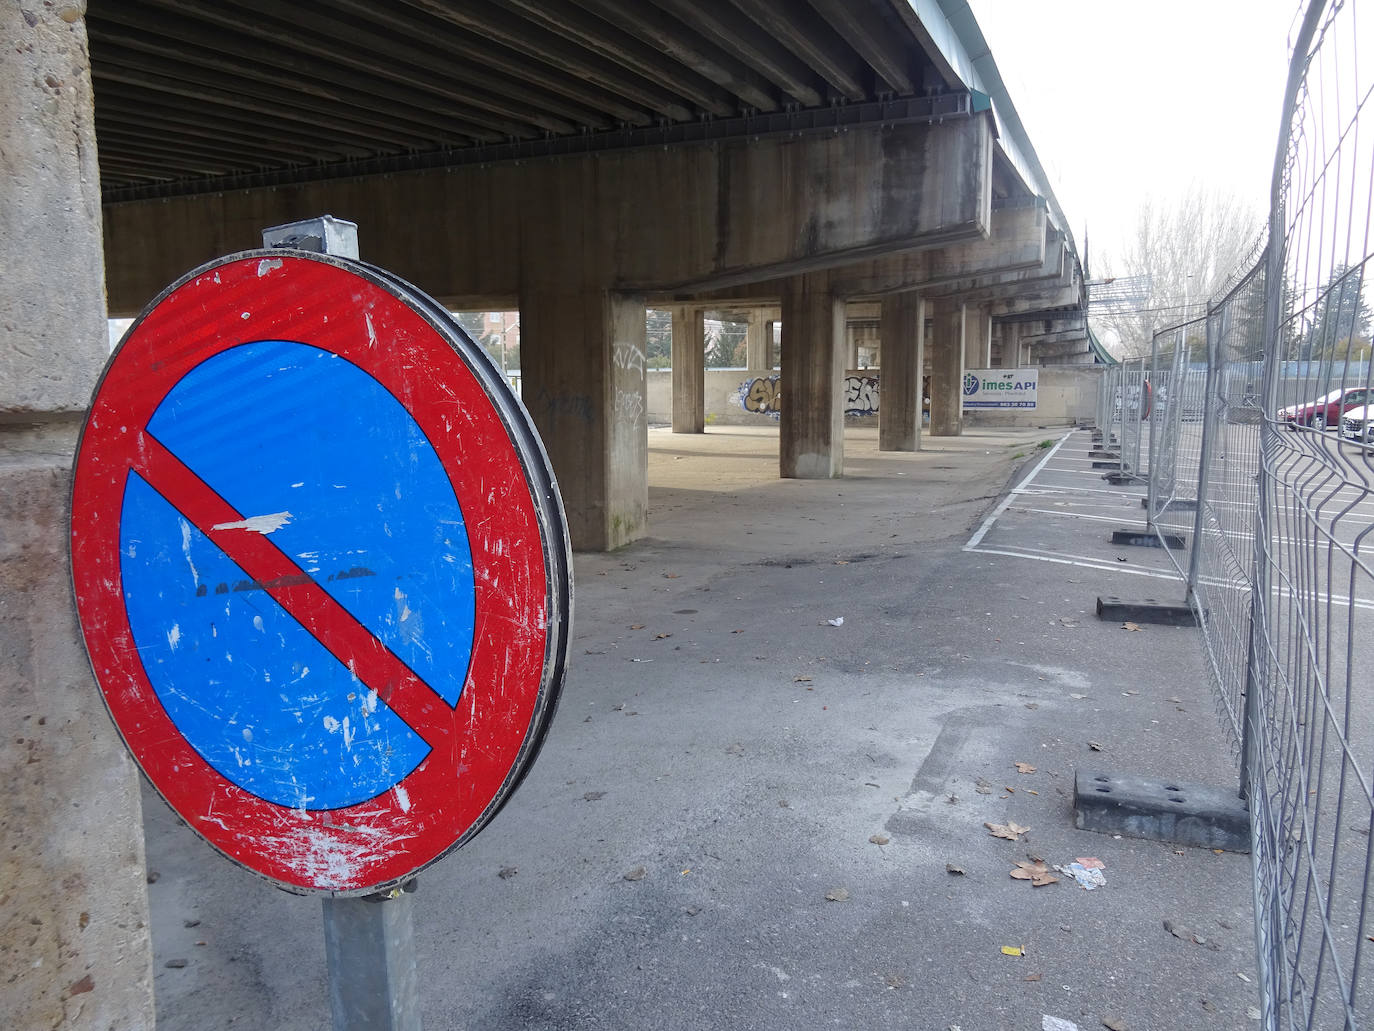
<point>1120,479</point>
<point>1147,610</point>
<point>1136,539</point>
<point>1160,810</point>
<point>1111,464</point>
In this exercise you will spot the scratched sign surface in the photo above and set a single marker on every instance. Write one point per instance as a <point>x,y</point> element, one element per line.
<point>321,569</point>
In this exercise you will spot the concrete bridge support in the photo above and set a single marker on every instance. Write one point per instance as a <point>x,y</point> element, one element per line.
<point>811,437</point>
<point>947,367</point>
<point>1010,357</point>
<point>902,329</point>
<point>74,924</point>
<point>582,357</point>
<point>759,341</point>
<point>689,370</point>
<point>977,337</point>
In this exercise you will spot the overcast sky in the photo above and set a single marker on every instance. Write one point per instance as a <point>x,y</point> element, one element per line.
<point>1124,100</point>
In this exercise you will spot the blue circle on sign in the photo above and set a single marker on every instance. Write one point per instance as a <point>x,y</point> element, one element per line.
<point>970,384</point>
<point>331,466</point>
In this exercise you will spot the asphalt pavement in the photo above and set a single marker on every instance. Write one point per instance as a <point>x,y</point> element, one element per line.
<point>791,714</point>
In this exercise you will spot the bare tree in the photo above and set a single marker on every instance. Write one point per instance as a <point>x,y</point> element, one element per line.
<point>1183,254</point>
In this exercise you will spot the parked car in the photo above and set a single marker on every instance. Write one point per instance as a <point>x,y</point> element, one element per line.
<point>1358,425</point>
<point>1326,410</point>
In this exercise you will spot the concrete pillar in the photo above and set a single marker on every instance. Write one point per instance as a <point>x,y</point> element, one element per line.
<point>770,334</point>
<point>689,370</point>
<point>1011,345</point>
<point>811,444</point>
<point>947,368</point>
<point>851,348</point>
<point>74,921</point>
<point>977,338</point>
<point>582,359</point>
<point>758,341</point>
<point>902,334</point>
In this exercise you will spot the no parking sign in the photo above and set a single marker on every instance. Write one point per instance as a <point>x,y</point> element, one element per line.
<point>321,567</point>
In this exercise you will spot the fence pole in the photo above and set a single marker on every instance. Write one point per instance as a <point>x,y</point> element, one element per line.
<point>1204,461</point>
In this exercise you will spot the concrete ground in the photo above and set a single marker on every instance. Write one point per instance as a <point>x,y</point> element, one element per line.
<point>808,801</point>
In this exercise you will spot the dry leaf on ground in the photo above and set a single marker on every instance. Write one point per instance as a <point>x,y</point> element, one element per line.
<point>637,874</point>
<point>1011,830</point>
<point>1037,873</point>
<point>880,839</point>
<point>1128,625</point>
<point>1024,768</point>
<point>837,895</point>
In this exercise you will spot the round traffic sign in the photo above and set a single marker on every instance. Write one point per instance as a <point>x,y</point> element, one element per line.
<point>321,568</point>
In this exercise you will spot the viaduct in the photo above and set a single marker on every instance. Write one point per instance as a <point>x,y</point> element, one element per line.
<point>579,160</point>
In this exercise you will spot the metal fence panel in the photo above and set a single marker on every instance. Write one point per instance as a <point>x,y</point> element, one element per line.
<point>1176,434</point>
<point>1262,455</point>
<point>1221,573</point>
<point>1132,401</point>
<point>1310,745</point>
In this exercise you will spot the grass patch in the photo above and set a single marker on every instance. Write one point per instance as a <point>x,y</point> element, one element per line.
<point>1045,445</point>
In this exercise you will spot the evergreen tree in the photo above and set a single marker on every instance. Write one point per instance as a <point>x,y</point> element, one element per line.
<point>658,339</point>
<point>1340,318</point>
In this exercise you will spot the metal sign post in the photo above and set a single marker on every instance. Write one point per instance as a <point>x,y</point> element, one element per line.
<point>323,576</point>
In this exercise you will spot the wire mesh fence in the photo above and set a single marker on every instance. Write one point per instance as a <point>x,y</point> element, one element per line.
<point>1309,756</point>
<point>1133,402</point>
<point>1175,434</point>
<point>1261,453</point>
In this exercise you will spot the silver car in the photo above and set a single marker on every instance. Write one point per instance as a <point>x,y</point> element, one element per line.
<point>1357,424</point>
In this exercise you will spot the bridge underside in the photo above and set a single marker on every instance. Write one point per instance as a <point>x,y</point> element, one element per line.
<point>578,161</point>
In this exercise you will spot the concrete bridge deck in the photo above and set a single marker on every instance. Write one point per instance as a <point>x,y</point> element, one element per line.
<point>719,735</point>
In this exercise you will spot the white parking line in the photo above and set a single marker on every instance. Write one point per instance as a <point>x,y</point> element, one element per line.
<point>1002,507</point>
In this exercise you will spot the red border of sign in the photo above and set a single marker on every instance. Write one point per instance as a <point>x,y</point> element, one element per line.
<point>477,747</point>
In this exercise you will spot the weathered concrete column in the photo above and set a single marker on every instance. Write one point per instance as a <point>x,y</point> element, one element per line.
<point>811,445</point>
<point>582,359</point>
<point>689,370</point>
<point>977,338</point>
<point>1011,345</point>
<point>74,922</point>
<point>947,369</point>
<point>758,342</point>
<point>902,332</point>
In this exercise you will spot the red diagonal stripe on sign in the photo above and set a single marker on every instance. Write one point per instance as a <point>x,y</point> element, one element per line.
<point>372,662</point>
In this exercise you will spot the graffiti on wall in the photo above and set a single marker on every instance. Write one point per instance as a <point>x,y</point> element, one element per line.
<point>861,395</point>
<point>762,395</point>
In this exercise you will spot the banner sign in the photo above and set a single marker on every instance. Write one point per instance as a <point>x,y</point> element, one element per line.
<point>1000,388</point>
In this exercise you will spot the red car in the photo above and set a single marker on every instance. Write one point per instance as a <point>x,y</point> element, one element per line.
<point>1326,410</point>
